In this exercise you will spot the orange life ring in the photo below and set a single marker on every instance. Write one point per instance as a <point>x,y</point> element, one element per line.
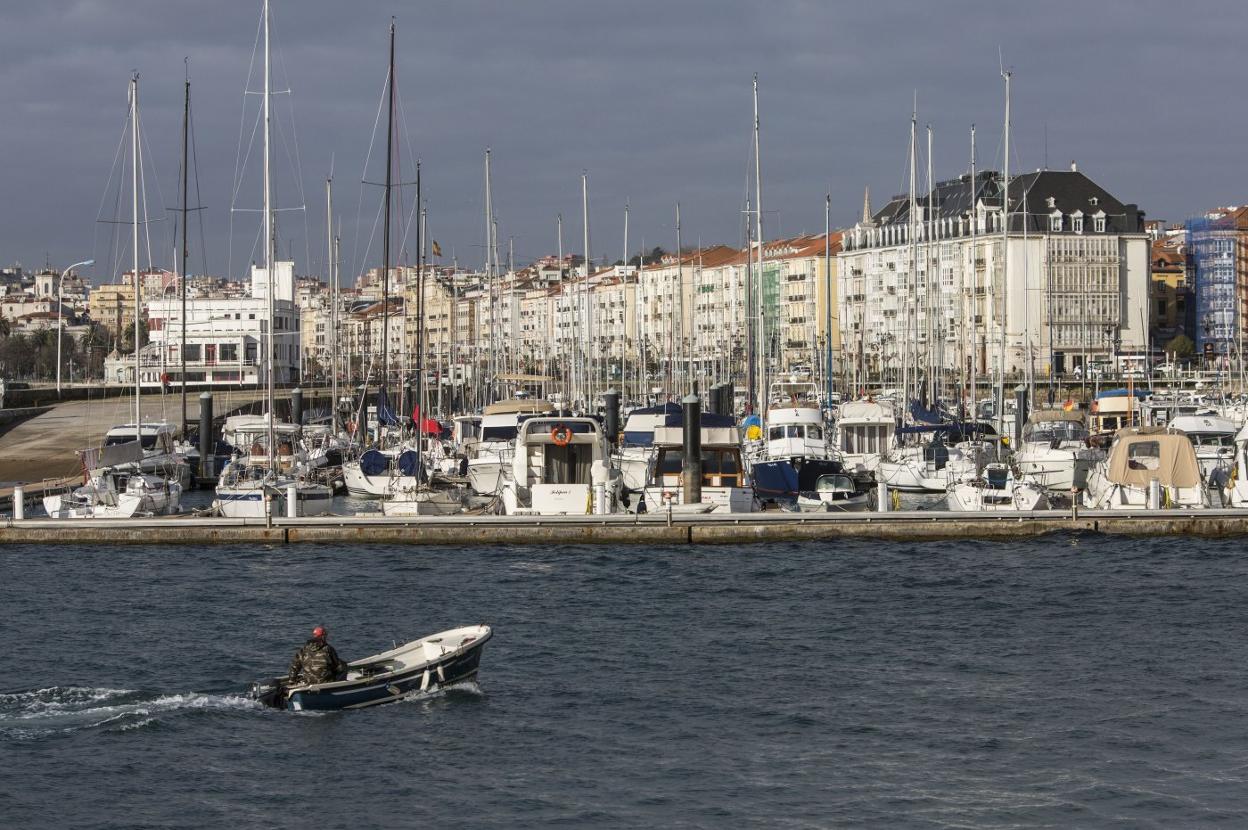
<point>561,435</point>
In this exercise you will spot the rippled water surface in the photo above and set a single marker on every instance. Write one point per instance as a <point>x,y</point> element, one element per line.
<point>1072,681</point>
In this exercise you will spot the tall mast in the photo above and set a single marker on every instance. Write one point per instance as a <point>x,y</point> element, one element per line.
<point>932,279</point>
<point>385,238</point>
<point>270,254</point>
<point>134,227</point>
<point>420,327</point>
<point>186,127</point>
<point>566,347</point>
<point>974,339</point>
<point>1005,250</point>
<point>827,296</point>
<point>490,278</point>
<point>750,323</point>
<point>331,266</point>
<point>911,338</point>
<point>685,336</point>
<point>761,280</point>
<point>587,296</point>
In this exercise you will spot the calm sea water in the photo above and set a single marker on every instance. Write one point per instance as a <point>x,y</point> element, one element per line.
<point>1072,681</point>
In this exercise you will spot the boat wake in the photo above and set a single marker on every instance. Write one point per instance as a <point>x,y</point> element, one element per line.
<point>64,710</point>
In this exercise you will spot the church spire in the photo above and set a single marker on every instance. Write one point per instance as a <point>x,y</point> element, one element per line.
<point>866,205</point>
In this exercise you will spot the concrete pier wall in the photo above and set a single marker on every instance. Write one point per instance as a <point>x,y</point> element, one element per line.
<point>619,530</point>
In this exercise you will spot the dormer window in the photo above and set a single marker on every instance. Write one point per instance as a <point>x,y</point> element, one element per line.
<point>1076,222</point>
<point>1051,202</point>
<point>1055,222</point>
<point>1098,221</point>
<point>1094,201</point>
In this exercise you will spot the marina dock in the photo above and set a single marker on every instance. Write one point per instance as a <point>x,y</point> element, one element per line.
<point>654,528</point>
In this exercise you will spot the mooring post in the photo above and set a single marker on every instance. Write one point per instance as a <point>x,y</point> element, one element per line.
<point>296,406</point>
<point>611,421</point>
<point>19,503</point>
<point>207,446</point>
<point>881,497</point>
<point>691,474</point>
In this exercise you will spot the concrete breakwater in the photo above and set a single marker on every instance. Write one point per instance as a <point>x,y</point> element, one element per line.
<point>623,530</point>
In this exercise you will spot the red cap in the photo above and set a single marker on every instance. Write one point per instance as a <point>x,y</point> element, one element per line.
<point>319,632</point>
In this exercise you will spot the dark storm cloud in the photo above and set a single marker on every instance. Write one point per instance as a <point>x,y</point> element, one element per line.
<point>652,98</point>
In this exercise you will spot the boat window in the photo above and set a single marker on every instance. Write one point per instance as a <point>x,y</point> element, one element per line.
<point>793,431</point>
<point>775,433</point>
<point>1144,455</point>
<point>505,433</point>
<point>814,433</point>
<point>1050,431</point>
<point>148,441</point>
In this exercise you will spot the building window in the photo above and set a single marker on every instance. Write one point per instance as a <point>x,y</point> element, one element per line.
<point>1098,224</point>
<point>228,352</point>
<point>1055,222</point>
<point>1076,224</point>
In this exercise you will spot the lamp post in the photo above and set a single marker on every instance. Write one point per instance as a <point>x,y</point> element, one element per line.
<point>60,286</point>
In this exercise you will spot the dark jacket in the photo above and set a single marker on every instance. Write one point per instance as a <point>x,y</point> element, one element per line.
<point>316,662</point>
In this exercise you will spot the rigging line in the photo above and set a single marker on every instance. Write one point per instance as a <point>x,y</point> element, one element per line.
<point>203,242</point>
<point>359,205</point>
<point>147,233</point>
<point>108,186</point>
<point>297,161</point>
<point>238,153</point>
<point>155,175</point>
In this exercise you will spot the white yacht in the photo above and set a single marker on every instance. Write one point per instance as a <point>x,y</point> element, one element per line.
<point>1140,456</point>
<point>1054,451</point>
<point>1213,438</point>
<point>636,453</point>
<point>1235,493</point>
<point>997,490</point>
<point>561,467</point>
<point>929,465</point>
<point>113,494</point>
<point>724,485</point>
<point>254,474</point>
<point>490,468</point>
<point>864,432</point>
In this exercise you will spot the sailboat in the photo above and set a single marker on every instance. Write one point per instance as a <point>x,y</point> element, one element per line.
<point>252,485</point>
<point>122,480</point>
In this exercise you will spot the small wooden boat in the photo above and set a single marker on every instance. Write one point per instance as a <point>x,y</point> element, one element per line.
<point>424,665</point>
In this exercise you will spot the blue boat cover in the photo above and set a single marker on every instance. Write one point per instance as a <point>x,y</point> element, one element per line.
<point>408,462</point>
<point>373,463</point>
<point>1140,394</point>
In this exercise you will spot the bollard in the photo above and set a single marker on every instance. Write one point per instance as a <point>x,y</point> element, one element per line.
<point>691,472</point>
<point>881,497</point>
<point>712,400</point>
<point>611,423</point>
<point>207,446</point>
<point>292,501</point>
<point>1020,413</point>
<point>19,504</point>
<point>600,499</point>
<point>1154,494</point>
<point>296,406</point>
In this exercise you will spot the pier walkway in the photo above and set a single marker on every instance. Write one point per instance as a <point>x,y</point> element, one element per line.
<point>654,528</point>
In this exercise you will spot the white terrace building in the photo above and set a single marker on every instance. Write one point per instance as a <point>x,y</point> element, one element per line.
<point>932,288</point>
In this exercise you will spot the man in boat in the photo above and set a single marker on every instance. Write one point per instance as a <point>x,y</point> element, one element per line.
<point>316,661</point>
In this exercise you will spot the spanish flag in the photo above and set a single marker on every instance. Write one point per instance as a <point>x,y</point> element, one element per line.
<point>1069,406</point>
<point>437,249</point>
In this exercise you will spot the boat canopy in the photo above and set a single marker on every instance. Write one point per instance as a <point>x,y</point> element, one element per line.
<point>1140,454</point>
<point>1045,415</point>
<point>517,406</point>
<point>1140,394</point>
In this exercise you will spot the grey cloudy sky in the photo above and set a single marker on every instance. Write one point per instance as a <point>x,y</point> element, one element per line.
<point>652,97</point>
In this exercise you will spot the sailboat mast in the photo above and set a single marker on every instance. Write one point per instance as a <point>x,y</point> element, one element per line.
<point>932,276</point>
<point>827,297</point>
<point>269,242</point>
<point>186,128</point>
<point>331,266</point>
<point>759,282</point>
<point>680,305</point>
<point>134,227</point>
<point>385,239</point>
<point>587,297</point>
<point>911,345</point>
<point>974,316</point>
<point>490,278</point>
<point>1005,251</point>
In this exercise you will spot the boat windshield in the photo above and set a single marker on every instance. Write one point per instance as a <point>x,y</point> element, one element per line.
<point>148,441</point>
<point>834,482</point>
<point>507,433</point>
<point>1050,431</point>
<point>1211,439</point>
<point>777,433</point>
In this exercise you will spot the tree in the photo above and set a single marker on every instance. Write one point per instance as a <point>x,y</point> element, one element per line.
<point>1181,347</point>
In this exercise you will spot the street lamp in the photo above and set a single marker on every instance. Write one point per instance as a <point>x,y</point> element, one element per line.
<point>60,285</point>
